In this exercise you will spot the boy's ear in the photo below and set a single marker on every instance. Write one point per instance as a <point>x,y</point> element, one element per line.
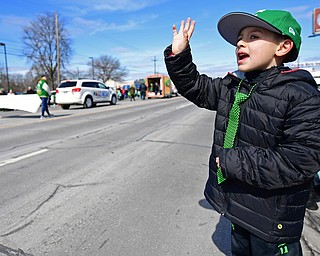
<point>284,47</point>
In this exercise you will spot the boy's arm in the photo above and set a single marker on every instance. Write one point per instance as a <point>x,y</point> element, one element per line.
<point>199,89</point>
<point>294,161</point>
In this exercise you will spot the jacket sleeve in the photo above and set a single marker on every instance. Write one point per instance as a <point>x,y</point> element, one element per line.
<point>294,161</point>
<point>199,89</point>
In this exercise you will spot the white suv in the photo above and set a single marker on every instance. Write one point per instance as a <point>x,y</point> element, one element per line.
<point>84,92</point>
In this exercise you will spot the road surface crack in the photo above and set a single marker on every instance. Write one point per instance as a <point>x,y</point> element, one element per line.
<point>313,251</point>
<point>17,229</point>
<point>31,213</point>
<point>45,201</point>
<point>12,252</point>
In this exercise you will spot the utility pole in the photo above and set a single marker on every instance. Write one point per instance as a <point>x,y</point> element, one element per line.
<point>155,64</point>
<point>58,50</point>
<point>5,55</point>
<point>92,67</point>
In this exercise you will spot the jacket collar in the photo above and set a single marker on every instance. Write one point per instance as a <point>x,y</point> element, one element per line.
<point>258,76</point>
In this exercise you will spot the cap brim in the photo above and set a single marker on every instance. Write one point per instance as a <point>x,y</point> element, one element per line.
<point>230,25</point>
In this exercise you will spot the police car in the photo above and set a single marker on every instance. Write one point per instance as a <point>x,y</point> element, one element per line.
<point>84,92</point>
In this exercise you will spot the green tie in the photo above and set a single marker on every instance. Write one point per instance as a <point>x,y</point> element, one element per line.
<point>233,124</point>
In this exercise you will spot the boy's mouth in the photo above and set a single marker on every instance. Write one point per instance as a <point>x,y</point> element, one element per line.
<point>242,56</point>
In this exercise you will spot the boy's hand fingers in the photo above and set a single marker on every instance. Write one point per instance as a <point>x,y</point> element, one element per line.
<point>174,29</point>
<point>189,28</point>
<point>182,36</point>
<point>218,161</point>
<point>193,24</point>
<point>187,24</point>
<point>181,26</point>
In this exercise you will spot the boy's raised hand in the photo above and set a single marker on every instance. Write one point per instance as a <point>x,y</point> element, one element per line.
<point>181,40</point>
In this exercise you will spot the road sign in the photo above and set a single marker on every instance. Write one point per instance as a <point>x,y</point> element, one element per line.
<point>316,21</point>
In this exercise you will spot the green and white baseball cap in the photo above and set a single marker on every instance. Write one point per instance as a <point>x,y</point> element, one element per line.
<point>277,21</point>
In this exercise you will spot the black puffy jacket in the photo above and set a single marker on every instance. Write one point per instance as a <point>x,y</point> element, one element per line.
<point>277,147</point>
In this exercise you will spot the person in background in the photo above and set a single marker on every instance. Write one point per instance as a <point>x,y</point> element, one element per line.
<point>156,88</point>
<point>11,92</point>
<point>132,92</point>
<point>30,90</point>
<point>143,90</point>
<point>43,92</point>
<point>151,87</point>
<point>119,94</point>
<point>266,142</point>
<point>123,92</point>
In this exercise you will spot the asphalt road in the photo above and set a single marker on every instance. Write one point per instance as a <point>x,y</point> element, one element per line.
<point>113,180</point>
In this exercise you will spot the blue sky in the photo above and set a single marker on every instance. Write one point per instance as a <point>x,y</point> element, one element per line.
<point>137,31</point>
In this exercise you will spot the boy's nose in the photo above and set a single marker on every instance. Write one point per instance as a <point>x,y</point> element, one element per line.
<point>240,43</point>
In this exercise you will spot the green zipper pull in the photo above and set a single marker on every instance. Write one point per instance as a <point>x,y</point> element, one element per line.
<point>220,176</point>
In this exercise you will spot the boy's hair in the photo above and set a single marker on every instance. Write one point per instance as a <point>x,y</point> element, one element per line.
<point>277,21</point>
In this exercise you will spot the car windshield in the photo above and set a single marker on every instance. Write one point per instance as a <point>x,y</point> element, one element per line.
<point>67,84</point>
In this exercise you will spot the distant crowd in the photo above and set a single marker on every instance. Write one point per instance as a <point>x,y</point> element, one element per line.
<point>11,92</point>
<point>132,92</point>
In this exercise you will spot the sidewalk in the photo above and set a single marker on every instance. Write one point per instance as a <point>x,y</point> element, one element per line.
<point>310,239</point>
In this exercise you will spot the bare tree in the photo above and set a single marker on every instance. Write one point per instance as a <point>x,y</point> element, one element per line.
<point>40,46</point>
<point>107,67</point>
<point>75,74</point>
<point>19,82</point>
<point>139,81</point>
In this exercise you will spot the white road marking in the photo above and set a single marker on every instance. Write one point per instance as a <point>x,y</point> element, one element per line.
<point>16,159</point>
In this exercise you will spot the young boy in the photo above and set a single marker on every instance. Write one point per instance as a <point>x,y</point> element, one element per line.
<point>266,147</point>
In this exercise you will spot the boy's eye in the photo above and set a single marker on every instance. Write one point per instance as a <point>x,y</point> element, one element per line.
<point>252,37</point>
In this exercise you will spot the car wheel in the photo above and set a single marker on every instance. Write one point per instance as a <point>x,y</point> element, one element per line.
<point>64,106</point>
<point>113,100</point>
<point>88,102</point>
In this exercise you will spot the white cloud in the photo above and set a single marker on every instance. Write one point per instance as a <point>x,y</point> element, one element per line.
<point>14,20</point>
<point>12,23</point>
<point>99,25</point>
<point>114,5</point>
<point>303,11</point>
<point>121,5</point>
<point>298,9</point>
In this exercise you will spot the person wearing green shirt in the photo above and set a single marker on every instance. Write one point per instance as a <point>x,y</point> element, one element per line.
<point>43,91</point>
